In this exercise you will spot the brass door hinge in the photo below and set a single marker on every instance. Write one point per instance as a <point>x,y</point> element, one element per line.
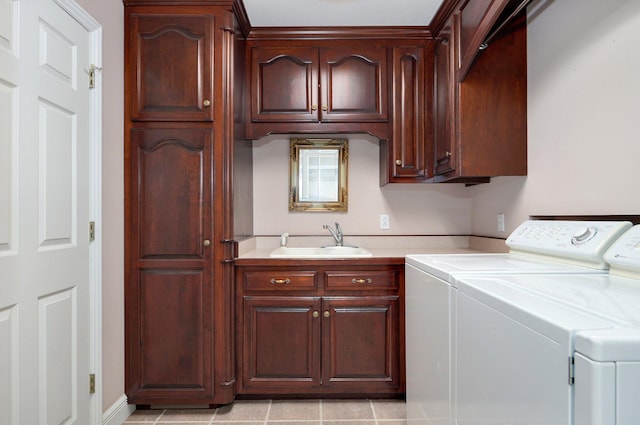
<point>92,231</point>
<point>92,75</point>
<point>92,383</point>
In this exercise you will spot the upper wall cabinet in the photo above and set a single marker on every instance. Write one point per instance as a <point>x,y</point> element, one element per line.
<point>171,62</point>
<point>308,88</point>
<point>480,123</point>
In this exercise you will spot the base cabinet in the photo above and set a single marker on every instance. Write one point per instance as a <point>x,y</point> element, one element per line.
<point>338,334</point>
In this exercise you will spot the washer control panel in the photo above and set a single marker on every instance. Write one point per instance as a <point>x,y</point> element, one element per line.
<point>583,241</point>
<point>625,252</point>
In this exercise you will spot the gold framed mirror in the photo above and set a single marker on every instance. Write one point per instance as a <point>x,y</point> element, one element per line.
<point>318,174</point>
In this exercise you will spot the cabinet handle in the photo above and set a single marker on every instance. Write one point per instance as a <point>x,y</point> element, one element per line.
<point>314,107</point>
<point>206,242</point>
<point>324,108</point>
<point>206,103</point>
<point>315,313</point>
<point>280,281</point>
<point>398,162</point>
<point>326,313</point>
<point>361,281</point>
<point>447,154</point>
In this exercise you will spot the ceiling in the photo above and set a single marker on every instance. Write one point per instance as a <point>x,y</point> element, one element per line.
<point>330,13</point>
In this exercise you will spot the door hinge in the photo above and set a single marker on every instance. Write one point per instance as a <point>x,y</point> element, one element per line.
<point>92,231</point>
<point>572,370</point>
<point>92,383</point>
<point>92,75</point>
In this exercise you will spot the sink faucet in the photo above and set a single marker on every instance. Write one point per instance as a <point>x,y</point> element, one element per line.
<point>337,234</point>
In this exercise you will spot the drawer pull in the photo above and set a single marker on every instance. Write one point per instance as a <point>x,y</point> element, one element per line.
<point>280,281</point>
<point>361,281</point>
<point>326,313</point>
<point>315,313</point>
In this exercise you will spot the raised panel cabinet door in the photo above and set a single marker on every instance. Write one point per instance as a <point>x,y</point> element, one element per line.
<point>444,102</point>
<point>284,84</point>
<point>171,67</point>
<point>353,84</point>
<point>170,269</point>
<point>409,143</point>
<point>360,343</point>
<point>281,344</point>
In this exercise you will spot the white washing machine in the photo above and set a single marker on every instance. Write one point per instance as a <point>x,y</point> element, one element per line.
<point>540,247</point>
<point>547,349</point>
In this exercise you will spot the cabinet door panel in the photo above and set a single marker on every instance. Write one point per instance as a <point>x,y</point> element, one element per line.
<point>170,191</point>
<point>444,105</point>
<point>284,84</point>
<point>409,144</point>
<point>353,84</point>
<point>281,342</point>
<point>169,293</point>
<point>360,342</point>
<point>173,347</point>
<point>171,67</point>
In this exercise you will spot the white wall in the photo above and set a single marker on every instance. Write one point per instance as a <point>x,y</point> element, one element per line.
<point>583,117</point>
<point>413,209</point>
<point>109,13</point>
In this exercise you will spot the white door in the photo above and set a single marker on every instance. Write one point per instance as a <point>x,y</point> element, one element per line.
<point>44,215</point>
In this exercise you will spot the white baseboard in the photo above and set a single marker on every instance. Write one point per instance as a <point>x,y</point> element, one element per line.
<point>118,412</point>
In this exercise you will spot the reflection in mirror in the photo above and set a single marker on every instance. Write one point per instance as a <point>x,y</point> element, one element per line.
<point>318,174</point>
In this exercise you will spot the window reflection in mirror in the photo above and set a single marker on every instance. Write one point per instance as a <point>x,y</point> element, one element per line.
<point>318,174</point>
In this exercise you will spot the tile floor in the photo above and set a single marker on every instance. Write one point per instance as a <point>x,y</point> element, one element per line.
<point>282,412</point>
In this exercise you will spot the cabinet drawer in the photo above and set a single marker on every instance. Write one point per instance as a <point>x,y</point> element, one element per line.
<point>280,280</point>
<point>362,280</point>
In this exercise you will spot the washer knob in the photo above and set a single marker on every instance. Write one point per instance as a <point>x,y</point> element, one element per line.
<point>583,235</point>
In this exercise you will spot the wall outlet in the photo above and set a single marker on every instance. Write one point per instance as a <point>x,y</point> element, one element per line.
<point>501,222</point>
<point>384,221</point>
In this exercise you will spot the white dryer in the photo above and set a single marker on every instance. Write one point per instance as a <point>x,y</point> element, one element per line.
<point>551,349</point>
<point>536,247</point>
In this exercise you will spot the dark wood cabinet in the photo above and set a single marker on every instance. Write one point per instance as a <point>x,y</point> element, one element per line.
<point>178,221</point>
<point>480,128</point>
<point>316,88</point>
<point>308,84</point>
<point>320,329</point>
<point>404,157</point>
<point>171,62</point>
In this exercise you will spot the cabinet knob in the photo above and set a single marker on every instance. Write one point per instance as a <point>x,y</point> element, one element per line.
<point>324,108</point>
<point>315,313</point>
<point>314,107</point>
<point>447,154</point>
<point>206,103</point>
<point>280,281</point>
<point>398,162</point>
<point>206,242</point>
<point>326,313</point>
<point>361,281</point>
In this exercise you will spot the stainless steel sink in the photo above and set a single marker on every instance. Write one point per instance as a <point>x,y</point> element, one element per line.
<point>320,252</point>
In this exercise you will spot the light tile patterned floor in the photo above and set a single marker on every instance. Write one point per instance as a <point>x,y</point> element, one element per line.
<point>282,412</point>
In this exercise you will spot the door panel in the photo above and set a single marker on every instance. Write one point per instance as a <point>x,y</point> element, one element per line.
<point>360,342</point>
<point>281,337</point>
<point>44,215</point>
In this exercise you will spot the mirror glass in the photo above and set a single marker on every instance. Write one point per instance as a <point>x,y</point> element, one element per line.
<point>318,174</point>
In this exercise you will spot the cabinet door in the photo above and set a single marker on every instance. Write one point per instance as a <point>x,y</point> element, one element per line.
<point>353,84</point>
<point>281,344</point>
<point>408,144</point>
<point>360,343</point>
<point>444,101</point>
<point>284,84</point>
<point>169,290</point>
<point>171,61</point>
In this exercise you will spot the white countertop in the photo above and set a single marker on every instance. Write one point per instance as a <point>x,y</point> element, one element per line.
<point>380,246</point>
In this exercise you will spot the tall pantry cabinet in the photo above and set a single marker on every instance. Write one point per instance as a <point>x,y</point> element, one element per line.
<point>178,151</point>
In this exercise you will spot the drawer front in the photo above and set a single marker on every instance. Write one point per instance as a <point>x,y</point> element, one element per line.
<point>283,280</point>
<point>362,280</point>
